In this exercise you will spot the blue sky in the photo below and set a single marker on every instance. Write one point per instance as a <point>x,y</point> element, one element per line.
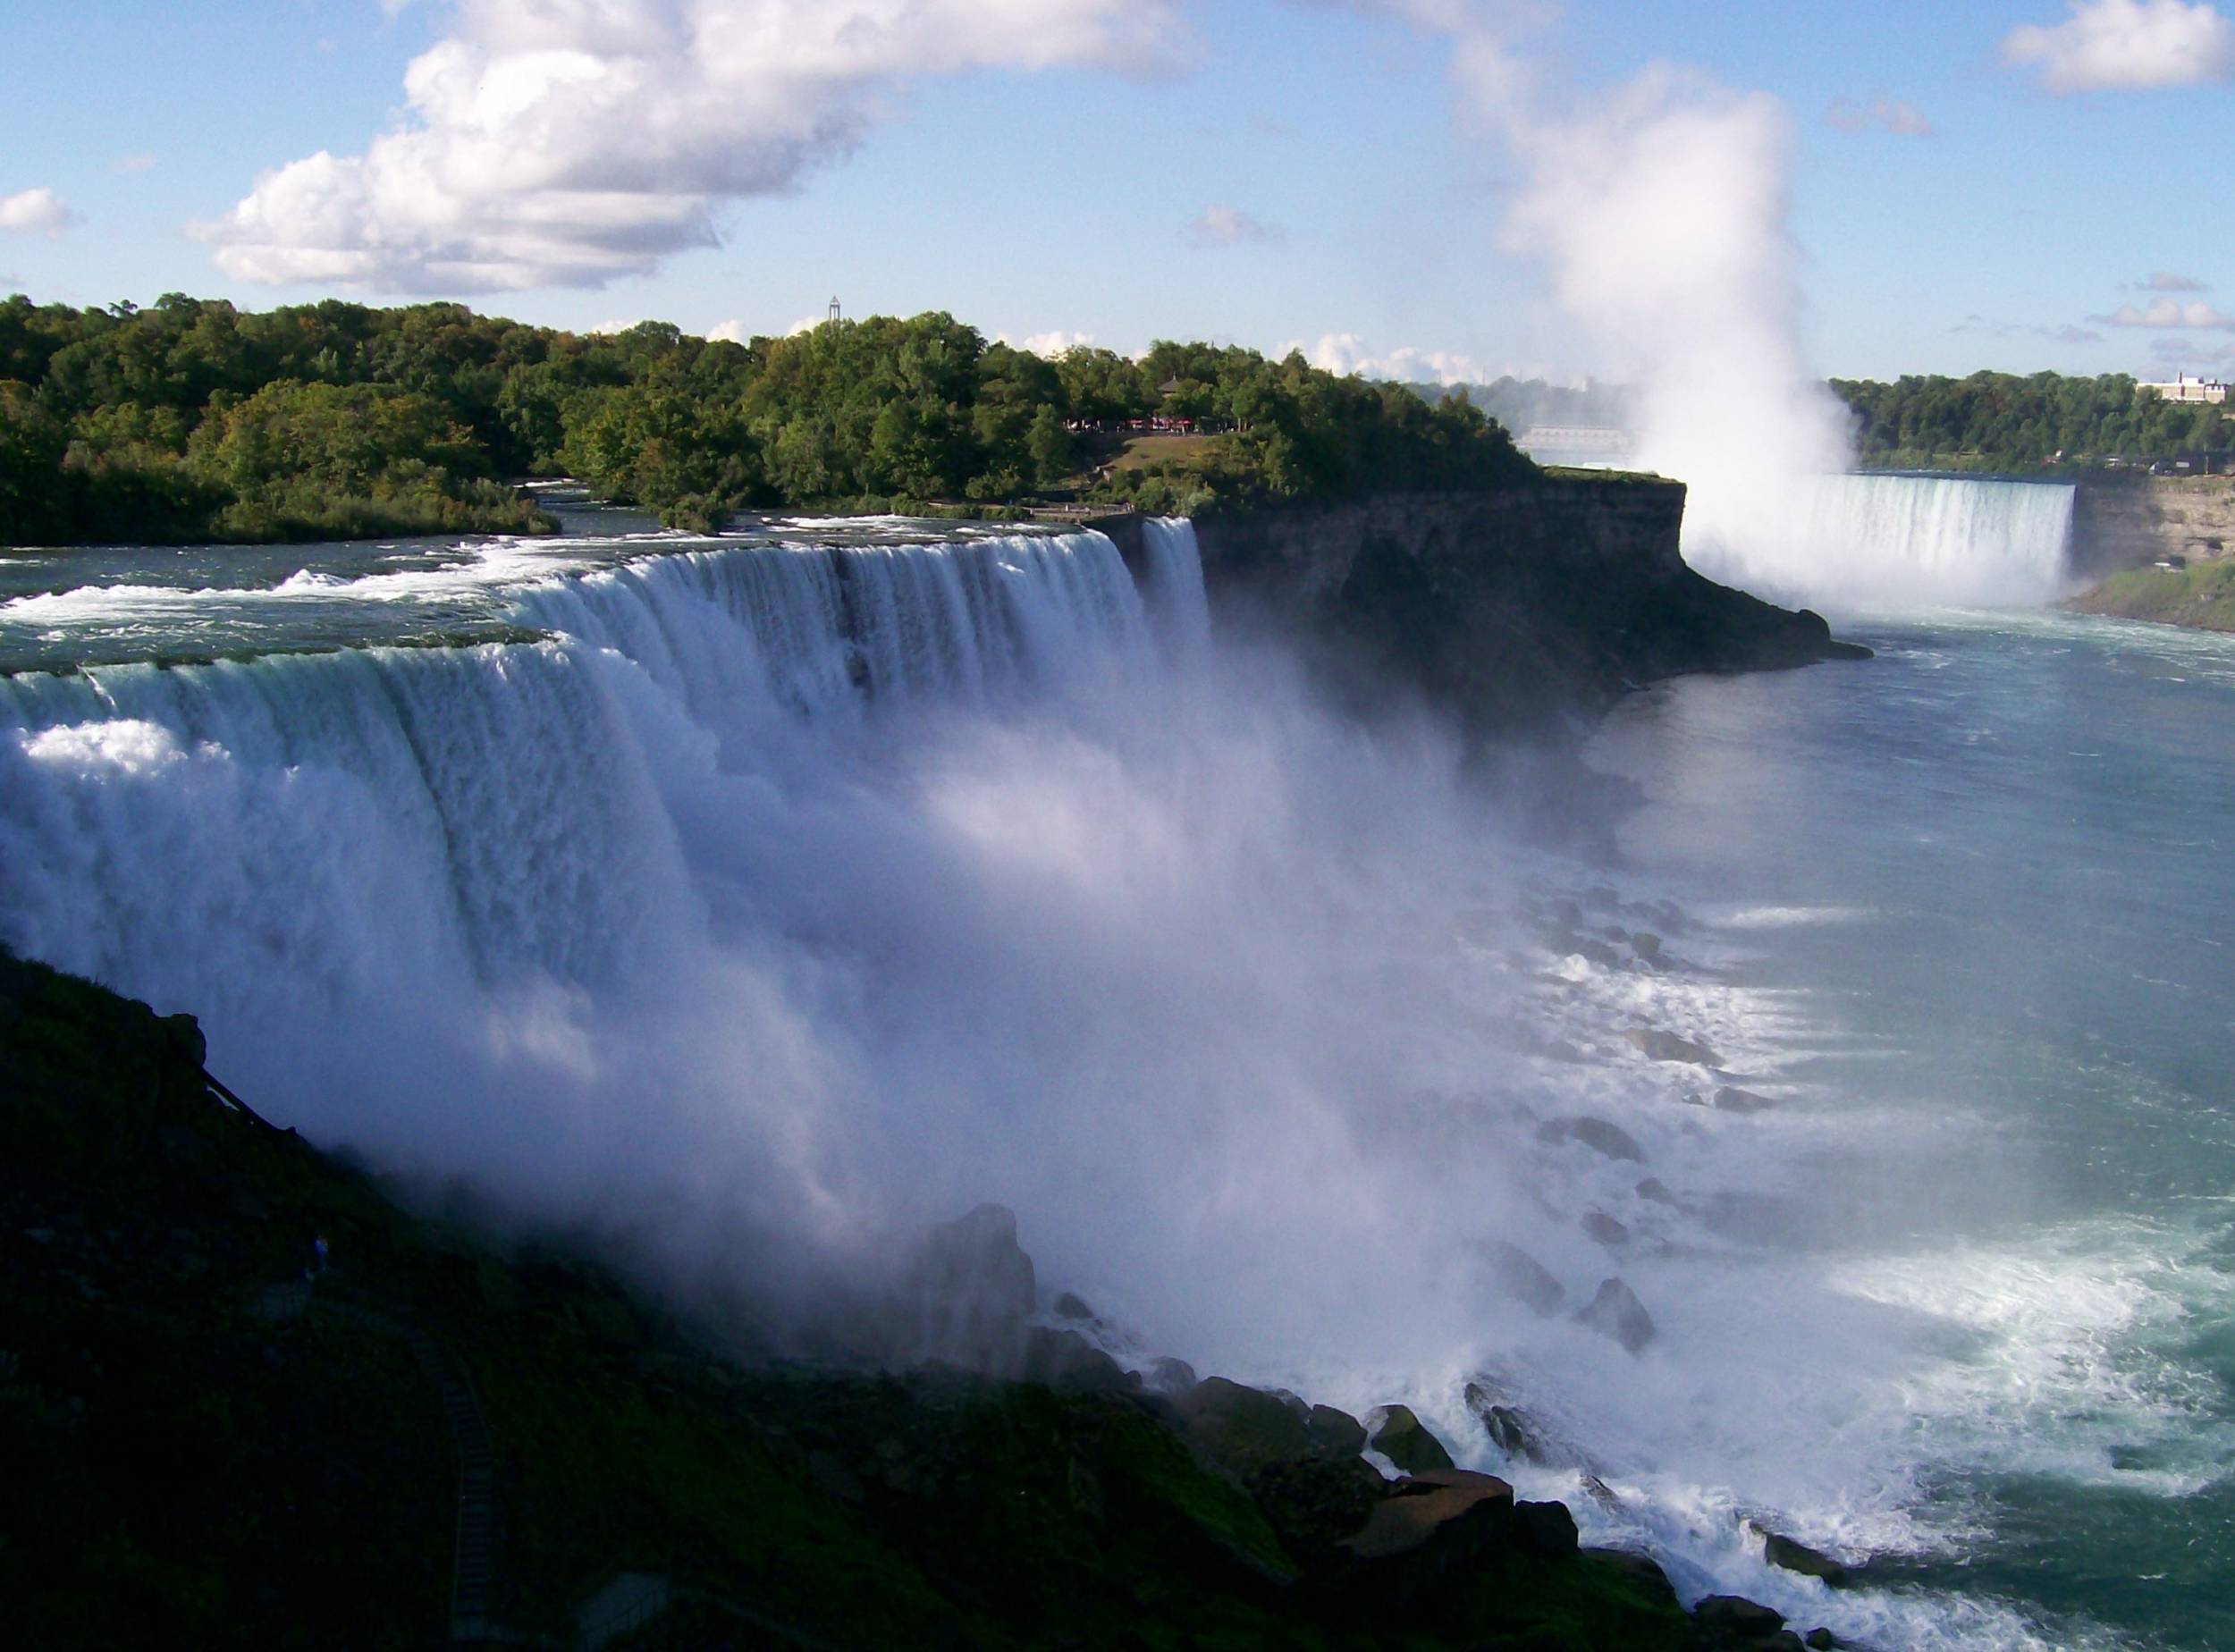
<point>1036,165</point>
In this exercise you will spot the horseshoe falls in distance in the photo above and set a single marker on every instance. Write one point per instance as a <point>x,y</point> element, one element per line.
<point>751,900</point>
<point>1877,542</point>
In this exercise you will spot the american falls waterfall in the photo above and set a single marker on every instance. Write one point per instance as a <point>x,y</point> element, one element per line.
<point>1876,542</point>
<point>741,905</point>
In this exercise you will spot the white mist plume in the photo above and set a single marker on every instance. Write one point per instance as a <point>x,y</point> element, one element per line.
<point>1661,215</point>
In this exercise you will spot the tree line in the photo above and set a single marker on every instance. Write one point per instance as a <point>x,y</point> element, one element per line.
<point>2000,421</point>
<point>192,419</point>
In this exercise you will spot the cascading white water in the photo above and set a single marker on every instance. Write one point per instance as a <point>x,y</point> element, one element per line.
<point>787,894</point>
<point>1876,542</point>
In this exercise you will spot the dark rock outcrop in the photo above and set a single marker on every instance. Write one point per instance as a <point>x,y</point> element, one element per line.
<point>1596,1133</point>
<point>1730,1098</point>
<point>1335,1433</point>
<point>1793,1556</point>
<point>1511,1429</point>
<point>1604,1229</point>
<point>1524,1279</point>
<point>1655,1045</point>
<point>1521,611</point>
<point>1737,1621</point>
<point>1242,1428</point>
<point>1617,1313</point>
<point>1398,1435</point>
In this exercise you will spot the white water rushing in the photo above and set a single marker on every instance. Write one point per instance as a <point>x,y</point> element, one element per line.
<point>787,895</point>
<point>1885,543</point>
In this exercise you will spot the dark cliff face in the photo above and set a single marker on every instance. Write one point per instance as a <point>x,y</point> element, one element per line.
<point>1524,611</point>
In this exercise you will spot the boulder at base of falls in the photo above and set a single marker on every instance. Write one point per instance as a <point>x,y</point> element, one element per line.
<point>1508,1426</point>
<point>1524,1279</point>
<point>1545,1529</point>
<point>1604,1229</point>
<point>1647,945</point>
<point>1335,1433</point>
<point>1655,1045</point>
<point>1782,1551</point>
<point>1429,1528</point>
<point>1730,1098</point>
<point>1242,1428</point>
<point>1398,1435</point>
<point>1595,1133</point>
<point>1617,1313</point>
<point>1735,1620</point>
<point>1063,1359</point>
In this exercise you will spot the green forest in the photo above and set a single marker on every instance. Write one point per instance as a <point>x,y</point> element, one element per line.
<point>2000,421</point>
<point>193,420</point>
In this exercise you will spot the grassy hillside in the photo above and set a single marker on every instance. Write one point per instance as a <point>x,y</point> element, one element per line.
<point>2201,595</point>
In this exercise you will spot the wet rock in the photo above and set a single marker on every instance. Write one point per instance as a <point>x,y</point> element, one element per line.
<point>1653,1189</point>
<point>1430,1526</point>
<point>1617,1313</point>
<point>1069,1306</point>
<point>1545,1529</point>
<point>1655,1045</point>
<point>1066,1360</point>
<point>1169,1376</point>
<point>1737,1620</point>
<point>1335,1433</point>
<point>1647,945</point>
<point>1733,1100</point>
<point>1600,898</point>
<point>1604,1229</point>
<point>1642,1571</point>
<point>971,1292</point>
<point>1820,1640</point>
<point>1508,1426</point>
<point>1595,1133</point>
<point>1782,1551</point>
<point>1242,1428</point>
<point>1398,1435</point>
<point>1524,1279</point>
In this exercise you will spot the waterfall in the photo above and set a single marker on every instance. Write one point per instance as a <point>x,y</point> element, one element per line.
<point>1879,542</point>
<point>320,851</point>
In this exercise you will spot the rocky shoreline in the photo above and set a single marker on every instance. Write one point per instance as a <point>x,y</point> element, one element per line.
<point>986,1474</point>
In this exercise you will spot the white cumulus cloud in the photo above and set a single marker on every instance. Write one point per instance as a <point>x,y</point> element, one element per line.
<point>1056,341</point>
<point>35,212</point>
<point>2127,46</point>
<point>1347,353</point>
<point>572,142</point>
<point>1229,226</point>
<point>2166,313</point>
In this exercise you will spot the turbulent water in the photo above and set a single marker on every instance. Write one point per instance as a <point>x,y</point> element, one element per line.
<point>754,900</point>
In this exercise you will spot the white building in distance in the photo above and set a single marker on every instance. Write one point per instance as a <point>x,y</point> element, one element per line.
<point>2185,389</point>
